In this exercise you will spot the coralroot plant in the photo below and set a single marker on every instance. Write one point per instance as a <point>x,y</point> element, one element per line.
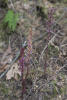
<point>25,60</point>
<point>25,54</point>
<point>21,61</point>
<point>49,23</point>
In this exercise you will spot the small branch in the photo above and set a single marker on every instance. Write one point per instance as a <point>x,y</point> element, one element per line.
<point>52,39</point>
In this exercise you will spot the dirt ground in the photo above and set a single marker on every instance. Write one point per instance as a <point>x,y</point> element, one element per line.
<point>47,79</point>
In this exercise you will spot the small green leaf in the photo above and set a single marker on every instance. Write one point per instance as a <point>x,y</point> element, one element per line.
<point>11,19</point>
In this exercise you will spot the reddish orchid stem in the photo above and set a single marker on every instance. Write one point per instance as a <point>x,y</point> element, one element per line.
<point>26,60</point>
<point>49,23</point>
<point>21,61</point>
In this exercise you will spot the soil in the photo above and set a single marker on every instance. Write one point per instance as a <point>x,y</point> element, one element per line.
<point>47,79</point>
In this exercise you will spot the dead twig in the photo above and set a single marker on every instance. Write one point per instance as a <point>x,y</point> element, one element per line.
<point>51,41</point>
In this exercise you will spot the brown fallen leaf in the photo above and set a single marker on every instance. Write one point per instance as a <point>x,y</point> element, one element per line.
<point>13,72</point>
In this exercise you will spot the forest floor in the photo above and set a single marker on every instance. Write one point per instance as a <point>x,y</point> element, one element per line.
<point>47,78</point>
